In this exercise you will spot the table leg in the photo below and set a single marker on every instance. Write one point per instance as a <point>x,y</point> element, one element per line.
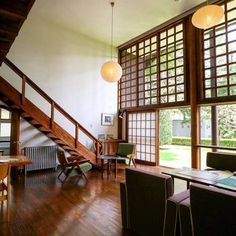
<point>115,168</point>
<point>108,168</point>
<point>188,183</point>
<point>102,167</point>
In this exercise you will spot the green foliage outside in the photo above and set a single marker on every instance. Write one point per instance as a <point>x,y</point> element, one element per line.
<point>226,119</point>
<point>165,127</point>
<point>167,155</point>
<point>185,141</point>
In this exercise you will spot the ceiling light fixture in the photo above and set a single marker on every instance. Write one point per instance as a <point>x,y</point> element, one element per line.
<point>111,71</point>
<point>207,16</point>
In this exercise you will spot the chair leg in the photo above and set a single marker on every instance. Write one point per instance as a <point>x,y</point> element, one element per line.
<point>134,162</point>
<point>8,207</point>
<point>83,174</point>
<point>129,162</point>
<point>59,175</point>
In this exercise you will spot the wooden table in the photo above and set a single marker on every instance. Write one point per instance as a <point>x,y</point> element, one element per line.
<point>109,160</point>
<point>18,160</point>
<point>199,176</point>
<point>15,161</point>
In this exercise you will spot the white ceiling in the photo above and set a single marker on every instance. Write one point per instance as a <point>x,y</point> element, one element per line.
<point>93,17</point>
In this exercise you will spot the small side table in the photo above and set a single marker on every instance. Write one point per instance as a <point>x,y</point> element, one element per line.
<point>109,160</point>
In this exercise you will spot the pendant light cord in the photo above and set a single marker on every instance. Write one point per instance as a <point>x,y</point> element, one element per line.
<point>112,6</point>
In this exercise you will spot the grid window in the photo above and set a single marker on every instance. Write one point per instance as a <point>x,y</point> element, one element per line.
<point>141,131</point>
<point>171,66</point>
<point>219,56</point>
<point>5,123</point>
<point>147,71</point>
<point>127,85</point>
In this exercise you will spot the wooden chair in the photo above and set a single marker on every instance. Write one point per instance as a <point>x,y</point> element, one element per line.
<point>127,151</point>
<point>5,187</point>
<point>72,165</point>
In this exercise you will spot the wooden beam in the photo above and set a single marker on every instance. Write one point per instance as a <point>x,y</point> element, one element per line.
<point>191,60</point>
<point>15,133</point>
<point>157,137</point>
<point>15,10</point>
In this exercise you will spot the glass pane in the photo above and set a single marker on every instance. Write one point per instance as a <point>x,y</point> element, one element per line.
<point>142,134</point>
<point>5,114</point>
<point>175,138</point>
<point>5,130</point>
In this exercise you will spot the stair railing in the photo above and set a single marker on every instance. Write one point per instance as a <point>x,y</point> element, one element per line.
<point>54,105</point>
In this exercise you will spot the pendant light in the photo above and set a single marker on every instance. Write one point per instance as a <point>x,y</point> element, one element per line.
<point>111,71</point>
<point>207,16</point>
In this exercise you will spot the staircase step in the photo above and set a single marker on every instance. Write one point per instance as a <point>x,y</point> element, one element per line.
<point>60,142</point>
<point>35,123</point>
<point>67,148</point>
<point>44,130</point>
<point>73,153</point>
<point>15,107</point>
<point>26,116</point>
<point>5,99</point>
<point>52,136</point>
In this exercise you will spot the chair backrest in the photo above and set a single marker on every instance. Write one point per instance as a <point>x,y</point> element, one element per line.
<point>125,149</point>
<point>221,161</point>
<point>4,171</point>
<point>213,211</point>
<point>61,157</point>
<point>147,194</point>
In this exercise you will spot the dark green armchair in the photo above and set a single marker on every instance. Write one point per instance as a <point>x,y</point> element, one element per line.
<point>127,152</point>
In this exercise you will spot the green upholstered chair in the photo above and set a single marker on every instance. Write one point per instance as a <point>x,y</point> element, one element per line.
<point>127,152</point>
<point>71,166</point>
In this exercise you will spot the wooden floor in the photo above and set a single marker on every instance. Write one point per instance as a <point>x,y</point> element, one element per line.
<point>41,206</point>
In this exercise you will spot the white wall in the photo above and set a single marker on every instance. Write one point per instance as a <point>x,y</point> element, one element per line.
<point>66,65</point>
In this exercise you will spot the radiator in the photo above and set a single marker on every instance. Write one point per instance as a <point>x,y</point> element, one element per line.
<point>43,157</point>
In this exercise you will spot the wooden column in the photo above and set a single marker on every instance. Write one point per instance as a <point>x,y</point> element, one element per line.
<point>192,60</point>
<point>120,127</point>
<point>157,138</point>
<point>15,133</point>
<point>214,127</point>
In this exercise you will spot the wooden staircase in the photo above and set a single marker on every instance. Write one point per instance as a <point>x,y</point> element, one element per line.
<point>30,112</point>
<point>13,13</point>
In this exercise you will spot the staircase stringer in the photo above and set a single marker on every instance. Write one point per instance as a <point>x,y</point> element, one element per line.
<point>39,117</point>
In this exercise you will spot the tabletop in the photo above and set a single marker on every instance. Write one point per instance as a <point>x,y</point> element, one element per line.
<point>107,157</point>
<point>15,160</point>
<point>200,176</point>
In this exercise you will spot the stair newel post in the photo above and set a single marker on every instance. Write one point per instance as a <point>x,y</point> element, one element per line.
<point>76,135</point>
<point>23,89</point>
<point>97,151</point>
<point>52,114</point>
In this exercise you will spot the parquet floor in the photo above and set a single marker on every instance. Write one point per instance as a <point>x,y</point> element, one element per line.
<point>42,206</point>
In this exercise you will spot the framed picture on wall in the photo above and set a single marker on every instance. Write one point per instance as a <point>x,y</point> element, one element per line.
<point>107,119</point>
<point>101,137</point>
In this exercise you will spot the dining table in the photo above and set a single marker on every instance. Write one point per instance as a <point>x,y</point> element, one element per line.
<point>16,161</point>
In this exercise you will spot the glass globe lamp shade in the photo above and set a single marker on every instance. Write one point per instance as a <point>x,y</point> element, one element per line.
<point>207,16</point>
<point>111,71</point>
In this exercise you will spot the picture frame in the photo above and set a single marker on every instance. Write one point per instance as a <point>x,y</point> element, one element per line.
<point>107,119</point>
<point>101,137</point>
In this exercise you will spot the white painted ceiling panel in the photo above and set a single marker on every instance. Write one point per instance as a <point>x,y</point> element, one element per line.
<point>93,17</point>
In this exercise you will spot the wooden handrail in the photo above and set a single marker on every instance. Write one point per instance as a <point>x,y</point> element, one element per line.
<point>54,105</point>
